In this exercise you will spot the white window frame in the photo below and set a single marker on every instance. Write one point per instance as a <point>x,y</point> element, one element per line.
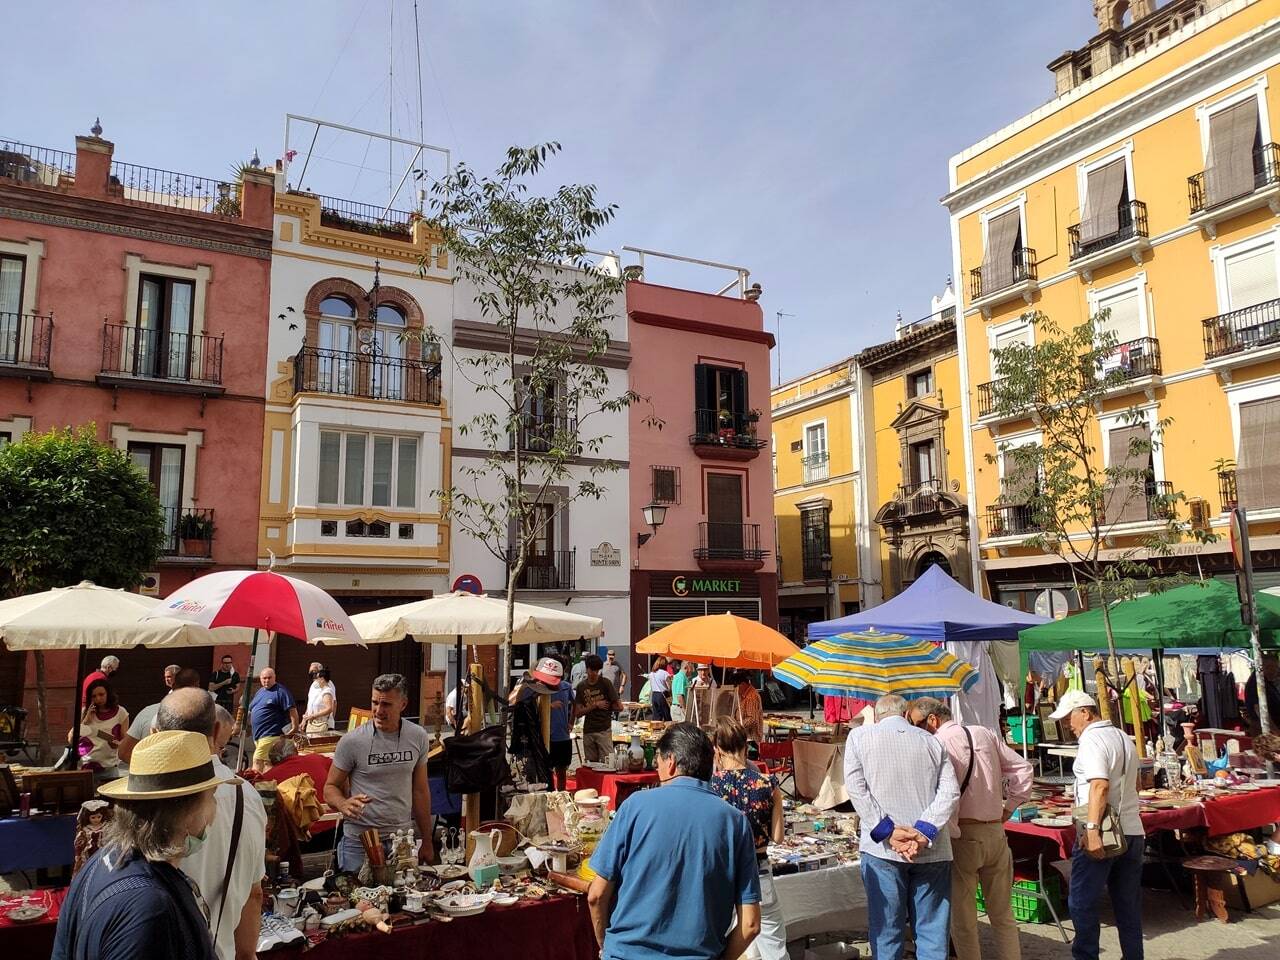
<point>995,330</point>
<point>136,266</point>
<point>1220,253</point>
<point>1112,421</point>
<point>1255,90</point>
<point>1019,203</point>
<point>806,452</point>
<point>122,435</point>
<point>366,498</point>
<point>1135,284</point>
<point>1267,388</point>
<point>1083,170</point>
<point>17,427</point>
<point>32,251</point>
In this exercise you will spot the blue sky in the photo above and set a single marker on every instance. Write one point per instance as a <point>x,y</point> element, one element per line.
<point>805,140</point>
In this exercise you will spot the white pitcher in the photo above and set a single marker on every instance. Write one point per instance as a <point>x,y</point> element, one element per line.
<point>483,866</point>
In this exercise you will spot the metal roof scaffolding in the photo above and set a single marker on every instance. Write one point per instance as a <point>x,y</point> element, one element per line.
<point>341,147</point>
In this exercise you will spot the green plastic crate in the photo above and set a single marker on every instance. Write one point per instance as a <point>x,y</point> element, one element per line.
<point>1024,729</point>
<point>1027,907</point>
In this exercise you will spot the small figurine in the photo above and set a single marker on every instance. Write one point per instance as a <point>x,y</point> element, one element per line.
<point>90,823</point>
<point>404,849</point>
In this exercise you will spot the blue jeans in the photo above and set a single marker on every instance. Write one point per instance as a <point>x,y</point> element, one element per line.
<point>898,893</point>
<point>658,703</point>
<point>1122,876</point>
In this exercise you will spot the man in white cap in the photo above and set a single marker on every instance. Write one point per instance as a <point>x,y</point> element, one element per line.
<point>1106,785</point>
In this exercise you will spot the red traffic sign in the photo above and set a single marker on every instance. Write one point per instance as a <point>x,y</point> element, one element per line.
<point>469,583</point>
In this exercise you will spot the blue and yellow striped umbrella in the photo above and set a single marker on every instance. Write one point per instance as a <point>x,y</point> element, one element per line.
<point>869,664</point>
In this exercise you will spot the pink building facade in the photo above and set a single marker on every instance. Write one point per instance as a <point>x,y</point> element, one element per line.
<point>136,300</point>
<point>700,364</point>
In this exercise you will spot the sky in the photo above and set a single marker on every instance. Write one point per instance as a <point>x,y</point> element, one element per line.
<point>805,140</point>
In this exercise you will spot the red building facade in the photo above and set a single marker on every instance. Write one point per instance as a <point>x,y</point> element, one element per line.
<point>136,300</point>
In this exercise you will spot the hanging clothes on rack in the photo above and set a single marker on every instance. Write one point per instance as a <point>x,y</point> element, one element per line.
<point>1219,703</point>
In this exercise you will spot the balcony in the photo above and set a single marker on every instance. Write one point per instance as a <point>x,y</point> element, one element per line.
<point>366,218</point>
<point>1227,490</point>
<point>1209,210</point>
<point>1022,282</point>
<point>25,342</point>
<point>1009,520</point>
<point>729,547</point>
<point>1127,365</point>
<point>724,435</point>
<point>188,536</point>
<point>919,498</point>
<point>1248,335</point>
<point>989,404</point>
<point>817,467</point>
<point>1150,504</point>
<point>343,373</point>
<point>167,190</point>
<point>35,166</point>
<point>160,360</point>
<point>550,571</point>
<point>1128,240</point>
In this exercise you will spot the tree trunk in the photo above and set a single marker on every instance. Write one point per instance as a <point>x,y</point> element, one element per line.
<point>504,668</point>
<point>42,709</point>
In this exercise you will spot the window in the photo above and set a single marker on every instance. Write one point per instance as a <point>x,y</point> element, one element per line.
<point>664,484</point>
<point>1004,240</point>
<point>1250,277</point>
<point>1257,476</point>
<point>815,539</point>
<point>1004,337</point>
<point>542,413</point>
<point>12,272</point>
<point>405,531</point>
<point>923,462</point>
<point>328,528</point>
<point>920,383</point>
<point>720,400</point>
<point>816,461</point>
<point>162,464</point>
<point>162,339</point>
<point>387,374</point>
<point>336,335</point>
<point>357,469</point>
<point>338,307</point>
<point>379,529</point>
<point>5,438</point>
<point>1105,208</point>
<point>1129,449</point>
<point>1235,151</point>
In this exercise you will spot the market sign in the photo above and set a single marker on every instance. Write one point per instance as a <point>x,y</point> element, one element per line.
<point>606,555</point>
<point>687,586</point>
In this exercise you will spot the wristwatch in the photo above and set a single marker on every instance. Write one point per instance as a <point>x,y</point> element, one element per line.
<point>1092,826</point>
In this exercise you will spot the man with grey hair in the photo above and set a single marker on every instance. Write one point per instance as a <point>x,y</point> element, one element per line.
<point>904,789</point>
<point>236,837</point>
<point>994,781</point>
<point>379,776</point>
<point>109,665</point>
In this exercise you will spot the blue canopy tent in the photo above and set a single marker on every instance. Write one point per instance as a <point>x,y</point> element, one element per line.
<point>935,608</point>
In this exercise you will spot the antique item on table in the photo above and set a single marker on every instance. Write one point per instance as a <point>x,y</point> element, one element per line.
<point>483,865</point>
<point>635,753</point>
<point>10,795</point>
<point>27,913</point>
<point>90,823</point>
<point>464,904</point>
<point>508,836</point>
<point>59,791</point>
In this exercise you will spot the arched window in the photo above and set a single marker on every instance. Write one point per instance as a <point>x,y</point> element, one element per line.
<point>337,307</point>
<point>390,315</point>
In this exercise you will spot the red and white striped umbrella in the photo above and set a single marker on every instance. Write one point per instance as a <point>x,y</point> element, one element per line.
<point>262,600</point>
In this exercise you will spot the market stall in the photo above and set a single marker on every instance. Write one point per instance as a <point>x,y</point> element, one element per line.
<point>817,874</point>
<point>617,785</point>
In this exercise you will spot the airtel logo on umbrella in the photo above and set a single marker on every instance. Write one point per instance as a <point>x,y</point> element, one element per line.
<point>187,606</point>
<point>324,623</point>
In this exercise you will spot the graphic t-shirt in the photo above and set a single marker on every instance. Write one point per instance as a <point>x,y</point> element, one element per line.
<point>380,764</point>
<point>596,695</point>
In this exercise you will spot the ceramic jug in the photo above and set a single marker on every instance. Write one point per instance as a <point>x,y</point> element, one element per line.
<point>635,760</point>
<point>483,866</point>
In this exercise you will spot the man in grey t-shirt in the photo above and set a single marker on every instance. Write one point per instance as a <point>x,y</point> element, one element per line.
<point>379,776</point>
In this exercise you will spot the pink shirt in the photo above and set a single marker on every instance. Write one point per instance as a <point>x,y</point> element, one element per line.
<point>1001,779</point>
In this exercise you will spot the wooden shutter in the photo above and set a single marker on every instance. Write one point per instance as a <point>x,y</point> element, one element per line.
<point>1127,496</point>
<point>1257,467</point>
<point>1251,277</point>
<point>739,386</point>
<point>1232,132</point>
<point>1002,239</point>
<point>1019,482</point>
<point>1103,189</point>
<point>724,512</point>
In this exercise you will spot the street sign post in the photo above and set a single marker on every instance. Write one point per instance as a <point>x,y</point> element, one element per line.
<point>1249,611</point>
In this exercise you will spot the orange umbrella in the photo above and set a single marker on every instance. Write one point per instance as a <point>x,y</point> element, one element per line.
<point>722,639</point>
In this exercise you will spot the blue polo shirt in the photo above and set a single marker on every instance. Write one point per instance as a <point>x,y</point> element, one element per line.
<point>269,711</point>
<point>681,860</point>
<point>560,716</point>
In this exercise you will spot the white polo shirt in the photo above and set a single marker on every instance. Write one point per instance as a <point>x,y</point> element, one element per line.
<point>1106,753</point>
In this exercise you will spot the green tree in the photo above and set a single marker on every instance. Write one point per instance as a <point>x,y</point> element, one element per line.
<point>542,392</point>
<point>1062,492</point>
<point>72,509</point>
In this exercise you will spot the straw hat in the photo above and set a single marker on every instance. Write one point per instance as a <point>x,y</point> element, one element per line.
<point>171,763</point>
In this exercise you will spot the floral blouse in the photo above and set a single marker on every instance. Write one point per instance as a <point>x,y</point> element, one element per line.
<point>751,792</point>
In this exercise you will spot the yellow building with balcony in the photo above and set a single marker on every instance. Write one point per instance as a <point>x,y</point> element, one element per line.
<point>1148,187</point>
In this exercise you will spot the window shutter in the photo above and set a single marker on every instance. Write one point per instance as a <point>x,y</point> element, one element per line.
<point>1125,319</point>
<point>740,405</point>
<point>1232,132</point>
<point>1126,498</point>
<point>1257,469</point>
<point>1103,189</point>
<point>1002,238</point>
<point>1251,278</point>
<point>1019,484</point>
<point>702,398</point>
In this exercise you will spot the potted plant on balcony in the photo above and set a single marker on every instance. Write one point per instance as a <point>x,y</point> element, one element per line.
<point>196,534</point>
<point>724,424</point>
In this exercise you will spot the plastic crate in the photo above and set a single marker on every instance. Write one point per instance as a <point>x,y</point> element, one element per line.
<point>1024,729</point>
<point>1027,906</point>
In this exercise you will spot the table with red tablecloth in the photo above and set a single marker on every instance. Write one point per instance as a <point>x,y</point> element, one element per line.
<point>615,784</point>
<point>33,939</point>
<point>557,928</point>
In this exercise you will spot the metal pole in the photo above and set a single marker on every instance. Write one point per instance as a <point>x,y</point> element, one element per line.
<point>1245,558</point>
<point>457,700</point>
<point>79,710</point>
<point>242,723</point>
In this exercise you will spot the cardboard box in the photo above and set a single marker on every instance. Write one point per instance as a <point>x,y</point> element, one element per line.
<point>1260,888</point>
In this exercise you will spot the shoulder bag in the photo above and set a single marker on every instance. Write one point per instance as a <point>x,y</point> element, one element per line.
<point>1114,842</point>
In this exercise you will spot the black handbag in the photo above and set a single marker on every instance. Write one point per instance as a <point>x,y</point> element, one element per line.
<point>477,761</point>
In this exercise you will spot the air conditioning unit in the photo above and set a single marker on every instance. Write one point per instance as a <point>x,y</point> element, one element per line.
<point>150,586</point>
<point>1199,510</point>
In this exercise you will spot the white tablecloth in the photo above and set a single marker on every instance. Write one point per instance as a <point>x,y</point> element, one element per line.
<point>823,901</point>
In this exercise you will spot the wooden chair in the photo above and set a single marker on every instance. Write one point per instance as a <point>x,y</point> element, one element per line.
<point>358,717</point>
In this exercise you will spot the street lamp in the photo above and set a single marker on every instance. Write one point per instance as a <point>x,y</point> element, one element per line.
<point>655,514</point>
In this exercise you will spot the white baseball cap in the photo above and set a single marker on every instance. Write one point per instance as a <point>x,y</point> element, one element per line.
<point>1072,700</point>
<point>549,671</point>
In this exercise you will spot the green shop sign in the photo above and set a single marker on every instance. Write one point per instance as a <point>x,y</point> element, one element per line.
<point>684,586</point>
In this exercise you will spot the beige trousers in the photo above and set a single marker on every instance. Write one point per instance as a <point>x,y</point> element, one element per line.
<point>981,854</point>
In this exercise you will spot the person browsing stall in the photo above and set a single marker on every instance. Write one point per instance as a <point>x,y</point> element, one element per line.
<point>273,714</point>
<point>548,678</point>
<point>144,720</point>
<point>659,690</point>
<point>106,668</point>
<point>596,702</point>
<point>379,776</point>
<point>614,673</point>
<point>664,894</point>
<point>680,684</point>
<point>322,701</point>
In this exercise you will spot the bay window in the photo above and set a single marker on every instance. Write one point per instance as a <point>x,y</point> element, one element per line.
<point>375,470</point>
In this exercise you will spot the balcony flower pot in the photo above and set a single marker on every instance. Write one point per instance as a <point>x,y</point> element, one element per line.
<point>196,534</point>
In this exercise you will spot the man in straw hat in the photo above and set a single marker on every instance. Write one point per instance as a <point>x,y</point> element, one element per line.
<point>131,900</point>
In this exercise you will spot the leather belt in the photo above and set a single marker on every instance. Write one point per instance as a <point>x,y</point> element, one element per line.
<point>966,820</point>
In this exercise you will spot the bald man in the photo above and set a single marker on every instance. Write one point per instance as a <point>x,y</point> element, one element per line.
<point>272,714</point>
<point>235,909</point>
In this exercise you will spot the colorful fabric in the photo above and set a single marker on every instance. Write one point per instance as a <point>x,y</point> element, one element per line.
<point>751,710</point>
<point>751,792</point>
<point>870,664</point>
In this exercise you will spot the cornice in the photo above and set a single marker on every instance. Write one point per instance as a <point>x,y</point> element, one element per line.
<point>422,248</point>
<point>699,327</point>
<point>476,335</point>
<point>1109,121</point>
<point>476,453</point>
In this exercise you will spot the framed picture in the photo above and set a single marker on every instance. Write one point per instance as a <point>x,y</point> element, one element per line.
<point>10,796</point>
<point>1050,728</point>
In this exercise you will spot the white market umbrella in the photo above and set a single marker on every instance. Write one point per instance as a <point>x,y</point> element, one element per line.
<point>475,618</point>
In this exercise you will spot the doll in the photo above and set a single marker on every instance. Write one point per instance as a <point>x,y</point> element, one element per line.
<point>90,822</point>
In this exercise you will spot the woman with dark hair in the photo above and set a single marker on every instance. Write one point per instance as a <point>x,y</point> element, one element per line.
<point>659,688</point>
<point>102,726</point>
<point>741,784</point>
<point>131,901</point>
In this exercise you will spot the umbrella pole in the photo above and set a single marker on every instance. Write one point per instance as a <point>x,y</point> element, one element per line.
<point>458,664</point>
<point>242,724</point>
<point>78,712</point>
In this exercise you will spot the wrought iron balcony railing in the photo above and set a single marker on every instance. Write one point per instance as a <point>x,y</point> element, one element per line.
<point>724,428</point>
<point>1131,223</point>
<point>26,339</point>
<point>1134,358</point>
<point>728,541</point>
<point>1242,330</point>
<point>1140,501</point>
<point>366,218</point>
<point>919,498</point>
<point>34,166</point>
<point>1227,490</point>
<point>1011,520</point>
<point>551,571</point>
<point>167,190</point>
<point>188,533</point>
<point>817,467</point>
<point>1024,268</point>
<point>345,373</point>
<point>1266,172</point>
<point>161,354</point>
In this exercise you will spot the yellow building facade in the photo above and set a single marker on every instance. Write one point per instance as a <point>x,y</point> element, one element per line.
<point>1149,187</point>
